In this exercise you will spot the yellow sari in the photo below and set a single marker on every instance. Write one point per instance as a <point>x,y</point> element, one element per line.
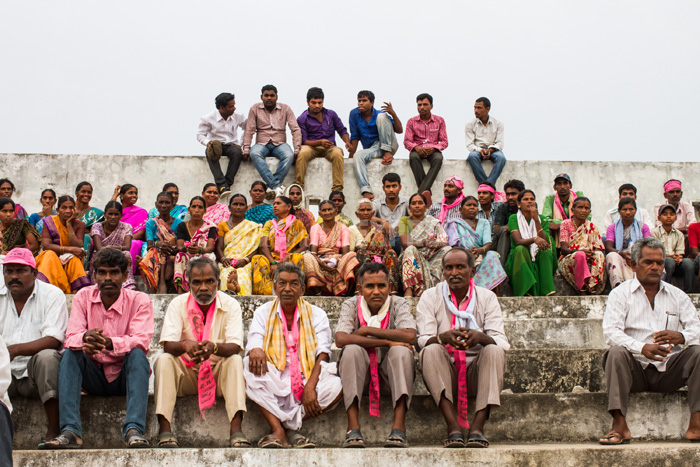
<point>239,242</point>
<point>262,272</point>
<point>65,272</point>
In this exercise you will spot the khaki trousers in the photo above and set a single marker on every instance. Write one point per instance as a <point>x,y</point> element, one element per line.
<point>624,374</point>
<point>333,154</point>
<point>42,380</point>
<point>396,373</point>
<point>173,379</point>
<point>484,374</point>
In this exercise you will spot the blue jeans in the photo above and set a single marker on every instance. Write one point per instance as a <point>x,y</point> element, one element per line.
<point>77,371</point>
<point>6,434</point>
<point>283,152</point>
<point>686,270</point>
<point>499,161</point>
<point>387,142</point>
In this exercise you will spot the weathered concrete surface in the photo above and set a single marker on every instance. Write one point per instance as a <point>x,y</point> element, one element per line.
<point>637,454</point>
<point>563,417</point>
<point>598,180</point>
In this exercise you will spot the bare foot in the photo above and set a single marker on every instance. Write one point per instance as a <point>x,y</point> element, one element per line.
<point>693,431</point>
<point>428,197</point>
<point>368,195</point>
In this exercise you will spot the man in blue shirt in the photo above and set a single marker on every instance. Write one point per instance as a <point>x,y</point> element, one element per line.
<point>377,131</point>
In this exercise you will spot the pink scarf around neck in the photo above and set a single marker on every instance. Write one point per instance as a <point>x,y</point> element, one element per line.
<point>281,235</point>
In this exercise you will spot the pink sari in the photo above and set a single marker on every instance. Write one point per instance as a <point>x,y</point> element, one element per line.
<point>136,217</point>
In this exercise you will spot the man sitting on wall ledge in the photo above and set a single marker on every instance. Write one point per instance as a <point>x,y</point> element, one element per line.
<point>685,214</point>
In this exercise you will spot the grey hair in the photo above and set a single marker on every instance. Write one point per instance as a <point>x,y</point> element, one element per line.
<point>200,263</point>
<point>364,201</point>
<point>649,242</point>
<point>291,268</point>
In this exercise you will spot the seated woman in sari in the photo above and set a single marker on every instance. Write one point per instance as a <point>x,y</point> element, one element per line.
<point>237,243</point>
<point>87,215</point>
<point>424,244</point>
<point>329,264</point>
<point>195,238</point>
<point>582,261</point>
<point>179,211</point>
<point>158,265</point>
<point>136,217</point>
<point>259,211</point>
<point>296,194</point>
<point>48,201</point>
<point>7,189</point>
<point>113,233</point>
<point>371,241</point>
<point>475,235</point>
<point>338,199</point>
<point>216,212</point>
<point>16,232</point>
<point>62,239</point>
<point>531,262</point>
<point>281,240</point>
<point>619,239</point>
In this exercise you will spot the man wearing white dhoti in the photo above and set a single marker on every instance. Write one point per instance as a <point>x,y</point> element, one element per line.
<point>286,367</point>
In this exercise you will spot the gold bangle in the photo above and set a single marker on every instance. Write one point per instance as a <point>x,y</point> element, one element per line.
<point>540,230</point>
<point>216,349</point>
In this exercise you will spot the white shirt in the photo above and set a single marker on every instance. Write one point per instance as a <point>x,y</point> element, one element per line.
<point>213,127</point>
<point>642,216</point>
<point>478,134</point>
<point>256,333</point>
<point>5,375</point>
<point>630,321</point>
<point>44,315</point>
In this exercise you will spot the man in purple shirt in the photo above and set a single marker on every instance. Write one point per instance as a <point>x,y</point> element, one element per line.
<point>318,127</point>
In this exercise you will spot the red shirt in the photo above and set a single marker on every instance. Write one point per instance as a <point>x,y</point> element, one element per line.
<point>432,134</point>
<point>128,322</point>
<point>694,235</point>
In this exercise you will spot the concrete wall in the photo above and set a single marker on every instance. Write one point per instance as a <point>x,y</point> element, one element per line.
<point>598,180</point>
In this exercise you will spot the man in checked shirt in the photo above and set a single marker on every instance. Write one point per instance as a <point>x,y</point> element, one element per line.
<point>107,339</point>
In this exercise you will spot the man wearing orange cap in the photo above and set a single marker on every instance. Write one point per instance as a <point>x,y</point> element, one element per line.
<point>33,320</point>
<point>685,215</point>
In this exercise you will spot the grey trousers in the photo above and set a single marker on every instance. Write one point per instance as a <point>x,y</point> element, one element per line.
<point>6,434</point>
<point>624,374</point>
<point>484,374</point>
<point>423,181</point>
<point>396,373</point>
<point>501,242</point>
<point>42,382</point>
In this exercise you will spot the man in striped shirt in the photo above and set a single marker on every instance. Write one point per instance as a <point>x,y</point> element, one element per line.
<point>426,138</point>
<point>654,334</point>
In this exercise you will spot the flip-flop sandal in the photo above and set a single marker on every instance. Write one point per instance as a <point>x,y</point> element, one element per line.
<point>299,441</point>
<point>135,440</point>
<point>66,440</point>
<point>387,161</point>
<point>396,439</point>
<point>238,440</point>
<point>270,442</point>
<point>167,440</point>
<point>354,439</point>
<point>607,440</point>
<point>455,440</point>
<point>477,441</point>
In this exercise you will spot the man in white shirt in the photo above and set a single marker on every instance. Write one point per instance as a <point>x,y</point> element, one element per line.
<point>461,334</point>
<point>287,371</point>
<point>33,320</point>
<point>685,213</point>
<point>202,337</point>
<point>218,131</point>
<point>484,137</point>
<point>648,351</point>
<point>5,407</point>
<point>627,190</point>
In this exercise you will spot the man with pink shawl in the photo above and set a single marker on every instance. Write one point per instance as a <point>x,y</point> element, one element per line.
<point>448,208</point>
<point>559,206</point>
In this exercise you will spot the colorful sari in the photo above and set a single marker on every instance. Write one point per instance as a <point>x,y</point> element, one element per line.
<point>65,272</point>
<point>421,268</point>
<point>20,212</point>
<point>216,214</point>
<point>178,212</point>
<point>340,218</point>
<point>531,270</point>
<point>334,281</point>
<point>200,239</point>
<point>262,213</point>
<point>489,273</point>
<point>262,272</point>
<point>37,221</point>
<point>89,218</point>
<point>153,261</point>
<point>116,238</point>
<point>582,272</point>
<point>16,235</point>
<point>136,217</point>
<point>376,248</point>
<point>306,217</point>
<point>239,242</point>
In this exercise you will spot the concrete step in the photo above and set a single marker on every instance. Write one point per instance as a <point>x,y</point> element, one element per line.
<point>522,418</point>
<point>638,454</point>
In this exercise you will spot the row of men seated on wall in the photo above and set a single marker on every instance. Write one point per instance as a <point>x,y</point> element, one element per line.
<point>651,326</point>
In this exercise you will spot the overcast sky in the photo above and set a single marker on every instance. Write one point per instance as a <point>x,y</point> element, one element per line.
<point>593,80</point>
